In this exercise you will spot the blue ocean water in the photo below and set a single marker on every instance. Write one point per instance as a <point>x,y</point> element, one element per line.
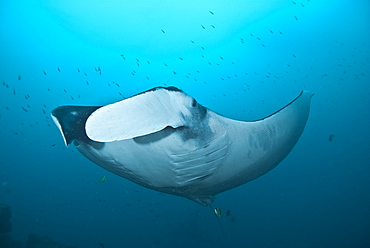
<point>242,59</point>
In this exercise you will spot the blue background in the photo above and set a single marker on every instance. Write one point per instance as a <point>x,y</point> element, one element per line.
<point>244,60</point>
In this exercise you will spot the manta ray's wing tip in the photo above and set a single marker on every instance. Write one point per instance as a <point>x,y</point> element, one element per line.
<point>307,93</point>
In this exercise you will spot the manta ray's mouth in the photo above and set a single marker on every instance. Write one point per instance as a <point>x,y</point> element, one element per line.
<point>71,122</point>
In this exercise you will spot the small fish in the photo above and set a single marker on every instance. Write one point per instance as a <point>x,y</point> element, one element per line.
<point>123,56</point>
<point>44,72</point>
<point>19,77</point>
<point>296,18</point>
<point>203,27</point>
<point>103,179</point>
<point>217,212</point>
<point>213,26</point>
<point>101,245</point>
<point>181,58</point>
<point>211,12</point>
<point>174,72</point>
<point>78,70</point>
<point>25,110</point>
<point>58,69</point>
<point>163,31</point>
<point>228,212</point>
<point>331,137</point>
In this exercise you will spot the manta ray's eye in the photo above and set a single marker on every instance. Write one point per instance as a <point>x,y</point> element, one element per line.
<point>194,103</point>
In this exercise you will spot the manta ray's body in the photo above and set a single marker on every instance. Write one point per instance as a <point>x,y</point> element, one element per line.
<point>164,140</point>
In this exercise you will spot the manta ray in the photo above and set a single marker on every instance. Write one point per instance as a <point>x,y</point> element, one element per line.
<point>163,139</point>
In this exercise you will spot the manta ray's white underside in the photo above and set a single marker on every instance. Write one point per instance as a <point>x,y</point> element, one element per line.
<point>164,140</point>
